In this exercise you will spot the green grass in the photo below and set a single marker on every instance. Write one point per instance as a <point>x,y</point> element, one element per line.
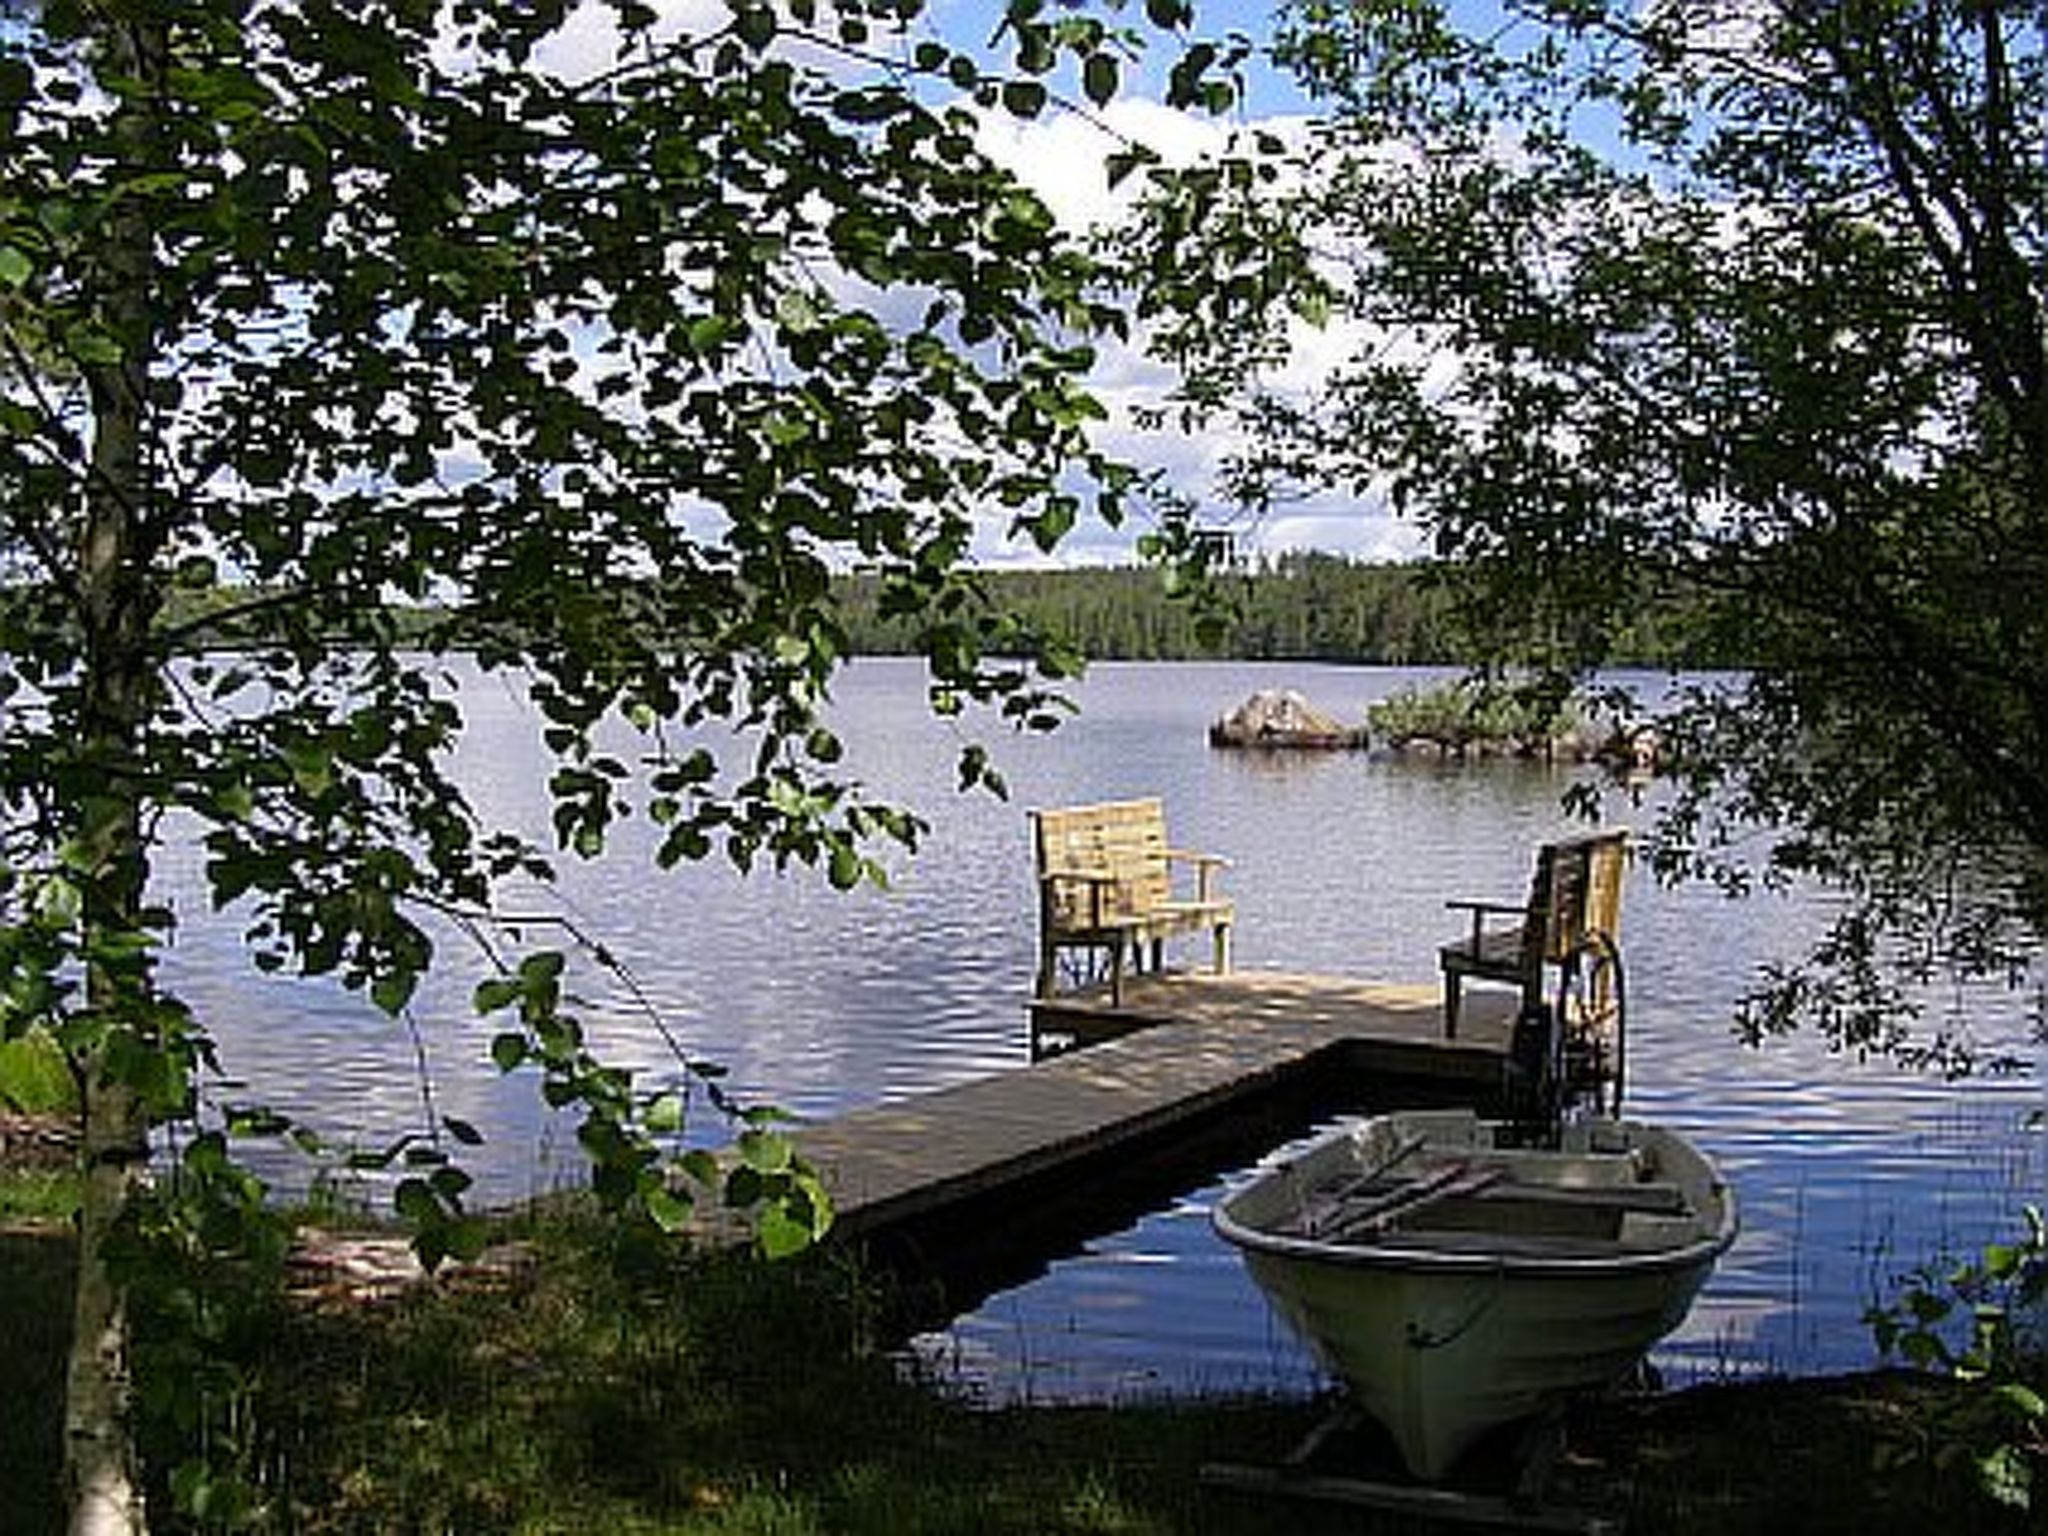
<point>611,1390</point>
<point>37,1196</point>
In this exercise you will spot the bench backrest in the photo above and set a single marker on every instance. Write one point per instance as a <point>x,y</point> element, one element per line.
<point>1123,840</point>
<point>1577,891</point>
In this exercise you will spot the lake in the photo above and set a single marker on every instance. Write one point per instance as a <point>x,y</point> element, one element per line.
<point>1848,1172</point>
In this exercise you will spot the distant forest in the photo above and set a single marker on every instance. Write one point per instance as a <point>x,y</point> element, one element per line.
<point>1294,607</point>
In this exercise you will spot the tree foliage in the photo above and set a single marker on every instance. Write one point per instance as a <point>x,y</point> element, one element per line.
<point>596,339</point>
<point>1739,302</point>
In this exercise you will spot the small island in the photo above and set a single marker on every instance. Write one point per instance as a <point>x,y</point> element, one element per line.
<point>1465,719</point>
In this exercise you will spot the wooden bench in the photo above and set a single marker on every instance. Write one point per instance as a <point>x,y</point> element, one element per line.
<point>1574,903</point>
<point>1106,890</point>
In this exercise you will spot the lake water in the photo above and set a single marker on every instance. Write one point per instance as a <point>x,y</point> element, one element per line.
<point>1848,1173</point>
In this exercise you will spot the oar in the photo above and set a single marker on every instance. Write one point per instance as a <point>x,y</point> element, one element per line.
<point>1372,1217</point>
<point>1312,1203</point>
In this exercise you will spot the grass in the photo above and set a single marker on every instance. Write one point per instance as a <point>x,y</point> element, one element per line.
<point>37,1197</point>
<point>608,1388</point>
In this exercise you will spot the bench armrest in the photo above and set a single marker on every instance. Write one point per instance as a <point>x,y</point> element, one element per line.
<point>1495,908</point>
<point>1206,866</point>
<point>1481,911</point>
<point>1085,876</point>
<point>1098,882</point>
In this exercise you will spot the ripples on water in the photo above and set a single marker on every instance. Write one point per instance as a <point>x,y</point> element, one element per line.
<point>1848,1174</point>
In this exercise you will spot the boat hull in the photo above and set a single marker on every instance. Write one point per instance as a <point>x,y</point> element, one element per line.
<point>1443,1343</point>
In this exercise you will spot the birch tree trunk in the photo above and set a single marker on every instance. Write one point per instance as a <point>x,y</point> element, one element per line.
<point>103,1482</point>
<point>119,542</point>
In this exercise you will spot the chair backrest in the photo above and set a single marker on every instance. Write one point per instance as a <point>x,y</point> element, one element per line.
<point>1124,840</point>
<point>1576,892</point>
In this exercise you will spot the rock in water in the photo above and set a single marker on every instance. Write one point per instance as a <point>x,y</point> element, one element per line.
<point>1281,717</point>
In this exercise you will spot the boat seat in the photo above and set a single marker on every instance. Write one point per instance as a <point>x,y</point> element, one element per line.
<point>1674,1234</point>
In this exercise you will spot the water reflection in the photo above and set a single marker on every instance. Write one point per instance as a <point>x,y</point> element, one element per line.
<point>1341,862</point>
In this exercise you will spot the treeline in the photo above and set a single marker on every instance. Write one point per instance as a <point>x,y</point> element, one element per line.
<point>1296,607</point>
<point>1303,606</point>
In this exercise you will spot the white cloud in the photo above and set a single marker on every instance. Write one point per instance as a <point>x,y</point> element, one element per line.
<point>1062,157</point>
<point>1362,530</point>
<point>589,41</point>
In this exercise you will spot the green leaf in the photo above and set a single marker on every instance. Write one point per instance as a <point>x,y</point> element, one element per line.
<point>869,106</point>
<point>312,766</point>
<point>669,1211</point>
<point>1099,78</point>
<point>743,1188</point>
<point>756,26</point>
<point>780,1235</point>
<point>509,1051</point>
<point>797,312</point>
<point>463,1131</point>
<point>542,968</point>
<point>1923,1350</point>
<point>15,267</point>
<point>498,992</point>
<point>2007,1476</point>
<point>766,1152</point>
<point>1929,1306</point>
<point>415,1202</point>
<point>2023,1399</point>
<point>1122,163</point>
<point>450,1183</point>
<point>18,420</point>
<point>466,1238</point>
<point>94,347</point>
<point>664,1116</point>
<point>1024,98</point>
<point>393,990</point>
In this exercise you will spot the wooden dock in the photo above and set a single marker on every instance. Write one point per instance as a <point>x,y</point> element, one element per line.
<point>1182,1049</point>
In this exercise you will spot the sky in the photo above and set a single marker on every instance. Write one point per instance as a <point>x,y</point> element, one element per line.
<point>1061,156</point>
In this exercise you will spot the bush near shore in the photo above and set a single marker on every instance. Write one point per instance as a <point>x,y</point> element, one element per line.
<point>1470,719</point>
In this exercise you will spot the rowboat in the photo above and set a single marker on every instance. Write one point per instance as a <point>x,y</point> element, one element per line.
<point>1456,1281</point>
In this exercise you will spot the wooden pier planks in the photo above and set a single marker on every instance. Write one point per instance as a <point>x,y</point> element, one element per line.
<point>1195,1044</point>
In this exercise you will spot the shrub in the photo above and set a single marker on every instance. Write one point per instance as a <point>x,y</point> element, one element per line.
<point>1978,1323</point>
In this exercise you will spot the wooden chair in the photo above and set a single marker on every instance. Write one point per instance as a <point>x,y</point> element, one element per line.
<point>1106,891</point>
<point>1573,909</point>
